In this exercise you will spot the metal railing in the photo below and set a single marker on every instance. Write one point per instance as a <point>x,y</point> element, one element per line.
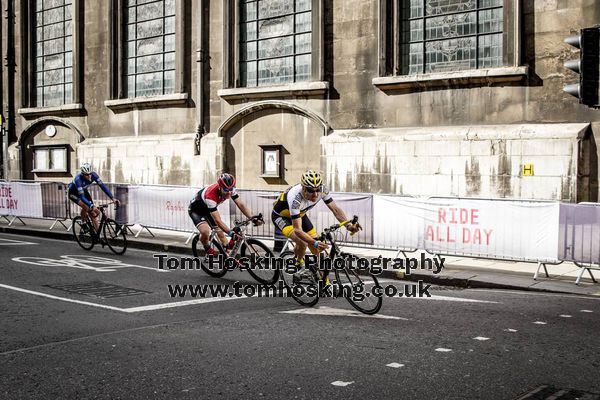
<point>398,223</point>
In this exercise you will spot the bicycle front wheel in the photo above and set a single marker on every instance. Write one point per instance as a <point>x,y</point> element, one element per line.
<point>214,270</point>
<point>302,285</point>
<point>83,233</point>
<point>114,234</point>
<point>358,290</point>
<point>265,275</point>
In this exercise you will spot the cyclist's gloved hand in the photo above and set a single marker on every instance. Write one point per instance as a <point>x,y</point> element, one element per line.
<point>353,228</point>
<point>320,246</point>
<point>117,203</point>
<point>235,233</point>
<point>258,221</point>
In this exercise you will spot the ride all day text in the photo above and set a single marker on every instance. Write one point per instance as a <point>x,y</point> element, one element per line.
<point>6,200</point>
<point>447,229</point>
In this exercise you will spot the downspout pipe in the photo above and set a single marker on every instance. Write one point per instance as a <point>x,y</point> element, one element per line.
<point>201,60</point>
<point>9,127</point>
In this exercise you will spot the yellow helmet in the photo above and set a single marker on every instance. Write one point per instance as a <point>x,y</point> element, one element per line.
<point>311,179</point>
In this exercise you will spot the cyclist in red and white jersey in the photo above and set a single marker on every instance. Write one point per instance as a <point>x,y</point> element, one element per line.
<point>203,211</point>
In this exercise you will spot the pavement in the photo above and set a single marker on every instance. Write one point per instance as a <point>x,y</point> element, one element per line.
<point>462,272</point>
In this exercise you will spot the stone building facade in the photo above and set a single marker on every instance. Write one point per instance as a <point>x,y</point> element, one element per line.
<point>411,97</point>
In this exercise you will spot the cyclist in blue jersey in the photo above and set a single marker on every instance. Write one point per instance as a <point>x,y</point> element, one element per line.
<point>78,193</point>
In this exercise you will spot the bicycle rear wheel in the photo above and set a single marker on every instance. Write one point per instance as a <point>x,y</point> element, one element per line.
<point>83,233</point>
<point>266,276</point>
<point>358,290</point>
<point>215,270</point>
<point>114,234</point>
<point>303,285</point>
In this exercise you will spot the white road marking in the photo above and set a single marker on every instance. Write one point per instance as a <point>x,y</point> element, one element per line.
<point>395,365</point>
<point>530,293</point>
<point>446,298</point>
<point>341,383</point>
<point>510,330</point>
<point>87,303</point>
<point>180,304</point>
<point>443,350</point>
<point>481,338</point>
<point>14,242</point>
<point>565,316</point>
<point>93,263</point>
<point>588,311</point>
<point>126,310</point>
<point>339,312</point>
<point>540,323</point>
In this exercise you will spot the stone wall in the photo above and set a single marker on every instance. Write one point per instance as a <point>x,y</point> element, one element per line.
<point>481,161</point>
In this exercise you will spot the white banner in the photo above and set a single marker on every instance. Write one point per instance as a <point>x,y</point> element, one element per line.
<point>493,228</point>
<point>21,199</point>
<point>398,222</point>
<point>477,228</point>
<point>165,207</point>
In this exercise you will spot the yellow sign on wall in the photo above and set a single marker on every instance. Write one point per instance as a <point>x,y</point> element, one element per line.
<point>527,169</point>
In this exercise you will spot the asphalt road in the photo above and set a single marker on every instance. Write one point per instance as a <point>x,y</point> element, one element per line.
<point>459,344</point>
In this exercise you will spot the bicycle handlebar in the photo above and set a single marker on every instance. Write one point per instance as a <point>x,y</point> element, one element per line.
<point>333,228</point>
<point>248,221</point>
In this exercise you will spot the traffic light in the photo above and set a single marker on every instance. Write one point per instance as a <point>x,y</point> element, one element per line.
<point>588,41</point>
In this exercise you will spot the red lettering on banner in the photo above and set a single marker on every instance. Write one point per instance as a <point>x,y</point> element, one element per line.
<point>9,204</point>
<point>466,217</point>
<point>441,216</point>
<point>174,207</point>
<point>474,216</point>
<point>5,191</point>
<point>488,233</point>
<point>429,233</point>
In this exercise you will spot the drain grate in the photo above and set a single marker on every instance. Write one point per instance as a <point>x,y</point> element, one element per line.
<point>99,289</point>
<point>548,392</point>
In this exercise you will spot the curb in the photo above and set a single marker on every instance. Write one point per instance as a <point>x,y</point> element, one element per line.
<point>132,244</point>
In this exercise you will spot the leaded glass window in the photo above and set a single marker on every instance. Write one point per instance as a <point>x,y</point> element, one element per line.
<point>53,49</point>
<point>275,41</point>
<point>451,35</point>
<point>150,47</point>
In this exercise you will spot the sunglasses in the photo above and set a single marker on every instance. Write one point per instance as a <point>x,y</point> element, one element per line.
<point>227,190</point>
<point>86,174</point>
<point>311,190</point>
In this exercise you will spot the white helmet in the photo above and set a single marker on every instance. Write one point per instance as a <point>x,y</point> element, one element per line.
<point>86,168</point>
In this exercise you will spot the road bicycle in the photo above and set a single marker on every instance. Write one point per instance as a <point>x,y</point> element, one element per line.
<point>308,284</point>
<point>113,233</point>
<point>244,246</point>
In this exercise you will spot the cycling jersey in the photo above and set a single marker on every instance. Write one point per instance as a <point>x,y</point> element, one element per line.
<point>292,204</point>
<point>209,198</point>
<point>78,188</point>
<point>206,201</point>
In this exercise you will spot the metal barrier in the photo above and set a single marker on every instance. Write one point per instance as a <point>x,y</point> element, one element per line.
<point>579,236</point>
<point>501,229</point>
<point>498,229</point>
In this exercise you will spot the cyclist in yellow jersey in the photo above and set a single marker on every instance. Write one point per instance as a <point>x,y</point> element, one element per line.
<point>289,213</point>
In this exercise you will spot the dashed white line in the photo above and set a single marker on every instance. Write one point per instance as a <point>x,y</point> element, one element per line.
<point>13,242</point>
<point>443,350</point>
<point>447,298</point>
<point>510,330</point>
<point>481,338</point>
<point>565,316</point>
<point>341,383</point>
<point>587,311</point>
<point>339,312</point>
<point>540,323</point>
<point>395,365</point>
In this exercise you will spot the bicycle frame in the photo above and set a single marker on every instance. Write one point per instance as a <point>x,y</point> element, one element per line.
<point>214,235</point>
